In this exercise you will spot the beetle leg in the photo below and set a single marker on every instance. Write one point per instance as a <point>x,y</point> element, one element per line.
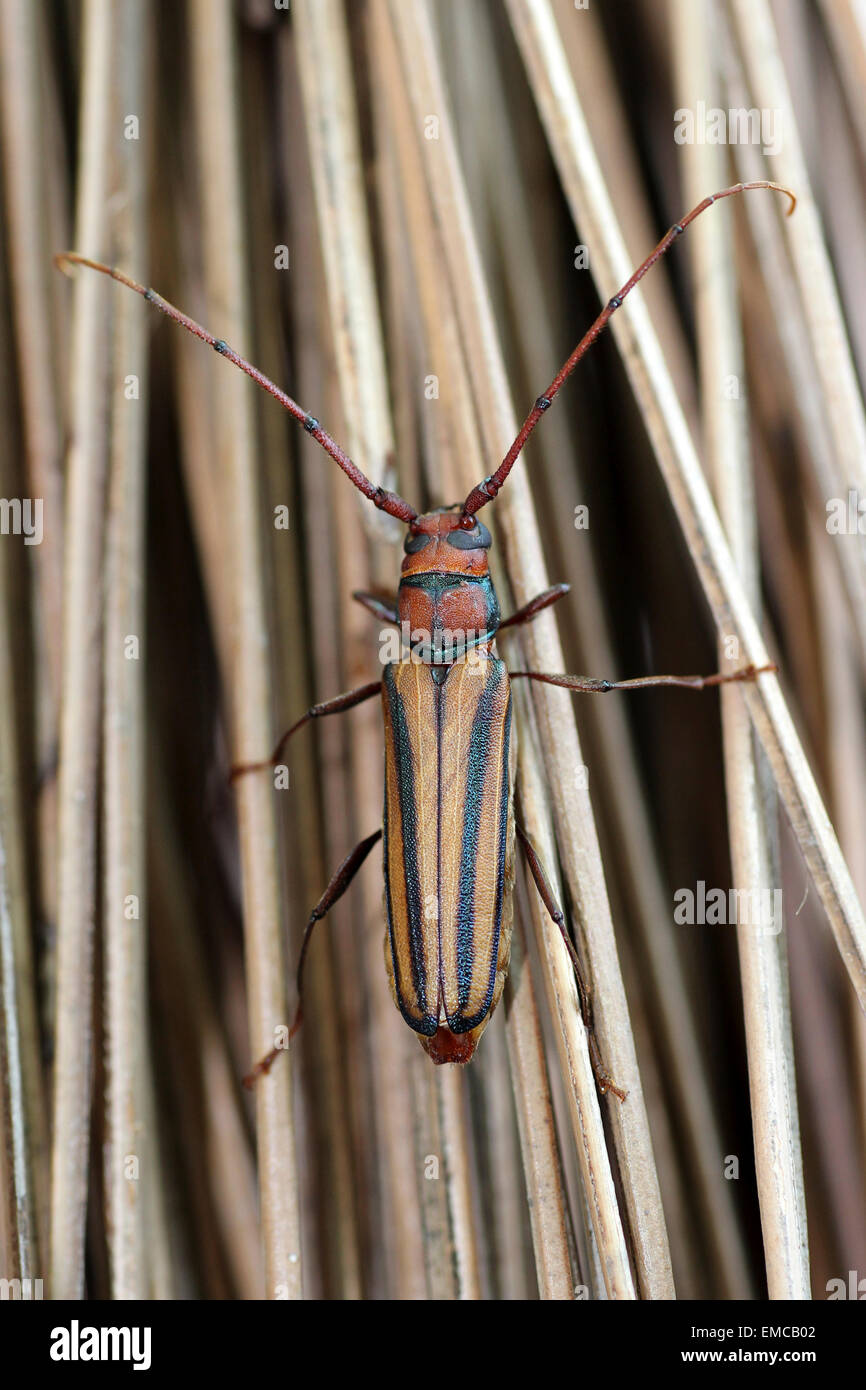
<point>604,1081</point>
<point>600,687</point>
<point>536,605</point>
<point>378,605</point>
<point>334,706</point>
<point>332,894</point>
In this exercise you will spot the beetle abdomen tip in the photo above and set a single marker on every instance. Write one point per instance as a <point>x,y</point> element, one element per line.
<point>445,1046</point>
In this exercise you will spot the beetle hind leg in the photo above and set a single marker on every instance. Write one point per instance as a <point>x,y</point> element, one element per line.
<point>332,894</point>
<point>604,1080</point>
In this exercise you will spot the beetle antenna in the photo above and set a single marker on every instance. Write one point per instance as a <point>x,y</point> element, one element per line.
<point>386,501</point>
<point>488,489</point>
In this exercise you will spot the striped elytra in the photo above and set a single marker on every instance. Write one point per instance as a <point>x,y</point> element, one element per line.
<point>449,839</point>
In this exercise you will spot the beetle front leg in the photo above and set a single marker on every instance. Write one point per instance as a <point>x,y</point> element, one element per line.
<point>382,606</point>
<point>604,1081</point>
<point>332,894</point>
<point>536,605</point>
<point>334,706</point>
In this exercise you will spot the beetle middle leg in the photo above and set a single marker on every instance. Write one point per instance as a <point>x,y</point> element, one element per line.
<point>604,1081</point>
<point>334,706</point>
<point>600,687</point>
<point>332,894</point>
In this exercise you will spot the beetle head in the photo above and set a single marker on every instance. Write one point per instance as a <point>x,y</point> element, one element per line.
<point>446,542</point>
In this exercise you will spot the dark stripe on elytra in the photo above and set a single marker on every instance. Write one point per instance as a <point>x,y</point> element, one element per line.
<point>409,826</point>
<point>476,776</point>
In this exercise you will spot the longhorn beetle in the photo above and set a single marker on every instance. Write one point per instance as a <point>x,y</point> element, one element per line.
<point>449,821</point>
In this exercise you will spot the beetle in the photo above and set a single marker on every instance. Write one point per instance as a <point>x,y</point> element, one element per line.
<point>449,824</point>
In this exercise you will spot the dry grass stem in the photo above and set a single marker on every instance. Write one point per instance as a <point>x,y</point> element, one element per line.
<point>770,90</point>
<point>22,1103</point>
<point>751,800</point>
<point>215,73</point>
<point>79,729</point>
<point>30,263</point>
<point>132,1151</point>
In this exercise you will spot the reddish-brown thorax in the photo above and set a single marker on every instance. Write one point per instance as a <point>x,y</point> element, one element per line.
<point>445,604</point>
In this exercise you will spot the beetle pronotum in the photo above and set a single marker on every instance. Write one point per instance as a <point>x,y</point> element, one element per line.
<point>449,820</point>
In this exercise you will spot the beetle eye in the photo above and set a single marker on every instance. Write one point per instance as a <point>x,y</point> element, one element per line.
<point>478,538</point>
<point>417,542</point>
